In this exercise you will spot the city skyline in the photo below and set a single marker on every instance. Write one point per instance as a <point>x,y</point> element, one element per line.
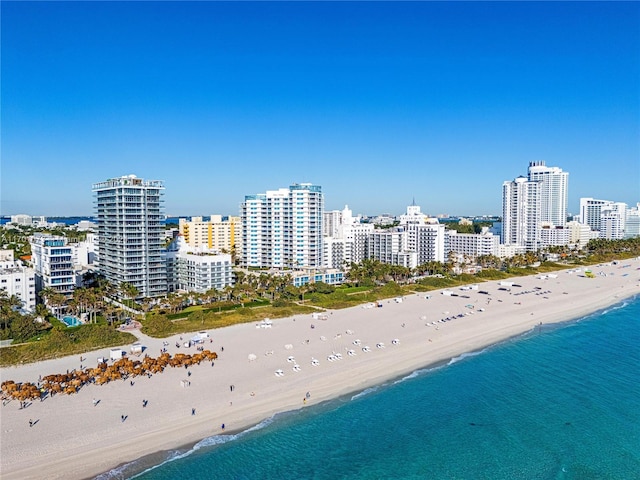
<point>378,103</point>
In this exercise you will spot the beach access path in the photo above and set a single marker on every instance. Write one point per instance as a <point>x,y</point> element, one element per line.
<point>100,427</point>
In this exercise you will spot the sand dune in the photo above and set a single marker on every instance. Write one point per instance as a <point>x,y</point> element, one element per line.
<point>72,438</point>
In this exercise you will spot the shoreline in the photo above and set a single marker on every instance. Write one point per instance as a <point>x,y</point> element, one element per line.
<point>171,428</point>
<point>157,459</point>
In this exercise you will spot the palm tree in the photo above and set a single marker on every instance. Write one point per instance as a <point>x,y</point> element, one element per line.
<point>53,298</point>
<point>8,308</point>
<point>129,291</point>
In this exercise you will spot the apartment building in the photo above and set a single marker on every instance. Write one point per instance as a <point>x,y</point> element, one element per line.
<point>130,233</point>
<point>52,259</point>
<point>283,228</point>
<point>521,213</point>
<point>197,269</point>
<point>218,233</point>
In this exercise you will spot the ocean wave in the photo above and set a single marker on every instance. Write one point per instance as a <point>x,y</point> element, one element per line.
<point>366,391</point>
<point>466,355</point>
<point>124,471</point>
<point>417,373</point>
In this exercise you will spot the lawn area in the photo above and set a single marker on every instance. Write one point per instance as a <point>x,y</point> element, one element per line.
<point>61,341</point>
<point>158,325</point>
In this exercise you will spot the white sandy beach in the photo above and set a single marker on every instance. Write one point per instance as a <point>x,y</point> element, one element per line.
<point>74,439</point>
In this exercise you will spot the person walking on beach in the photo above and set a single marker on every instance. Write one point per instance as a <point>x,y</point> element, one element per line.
<point>223,427</point>
<point>193,411</point>
<point>30,423</point>
<point>95,402</point>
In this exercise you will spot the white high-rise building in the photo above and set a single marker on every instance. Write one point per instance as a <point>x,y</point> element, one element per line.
<point>612,221</point>
<point>553,192</point>
<point>591,210</point>
<point>130,233</point>
<point>521,213</point>
<point>283,228</point>
<point>330,222</point>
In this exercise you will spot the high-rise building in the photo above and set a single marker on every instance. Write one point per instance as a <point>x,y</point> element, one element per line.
<point>521,213</point>
<point>605,216</point>
<point>590,211</point>
<point>130,233</point>
<point>612,221</point>
<point>283,228</point>
<point>553,192</point>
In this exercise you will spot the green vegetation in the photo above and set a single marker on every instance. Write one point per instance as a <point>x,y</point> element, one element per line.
<point>60,341</point>
<point>253,297</point>
<point>475,227</point>
<point>159,325</point>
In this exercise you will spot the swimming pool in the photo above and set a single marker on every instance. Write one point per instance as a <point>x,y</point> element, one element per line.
<point>71,321</point>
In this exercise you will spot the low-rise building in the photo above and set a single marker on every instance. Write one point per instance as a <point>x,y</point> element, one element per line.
<point>197,270</point>
<point>472,245</point>
<point>18,280</point>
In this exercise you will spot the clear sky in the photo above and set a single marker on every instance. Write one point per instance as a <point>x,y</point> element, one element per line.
<point>379,103</point>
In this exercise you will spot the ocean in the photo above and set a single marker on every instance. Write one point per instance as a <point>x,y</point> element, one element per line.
<point>560,402</point>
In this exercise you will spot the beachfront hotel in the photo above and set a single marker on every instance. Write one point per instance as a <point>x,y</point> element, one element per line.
<point>130,233</point>
<point>608,218</point>
<point>417,240</point>
<point>283,228</point>
<point>345,238</point>
<point>553,192</point>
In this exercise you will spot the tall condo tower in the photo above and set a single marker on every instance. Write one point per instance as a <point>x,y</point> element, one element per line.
<point>553,192</point>
<point>130,238</point>
<point>521,213</point>
<point>283,228</point>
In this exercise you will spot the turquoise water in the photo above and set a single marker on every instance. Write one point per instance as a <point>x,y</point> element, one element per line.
<point>71,321</point>
<point>562,402</point>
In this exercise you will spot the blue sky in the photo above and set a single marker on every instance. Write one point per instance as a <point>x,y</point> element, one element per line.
<point>378,103</point>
